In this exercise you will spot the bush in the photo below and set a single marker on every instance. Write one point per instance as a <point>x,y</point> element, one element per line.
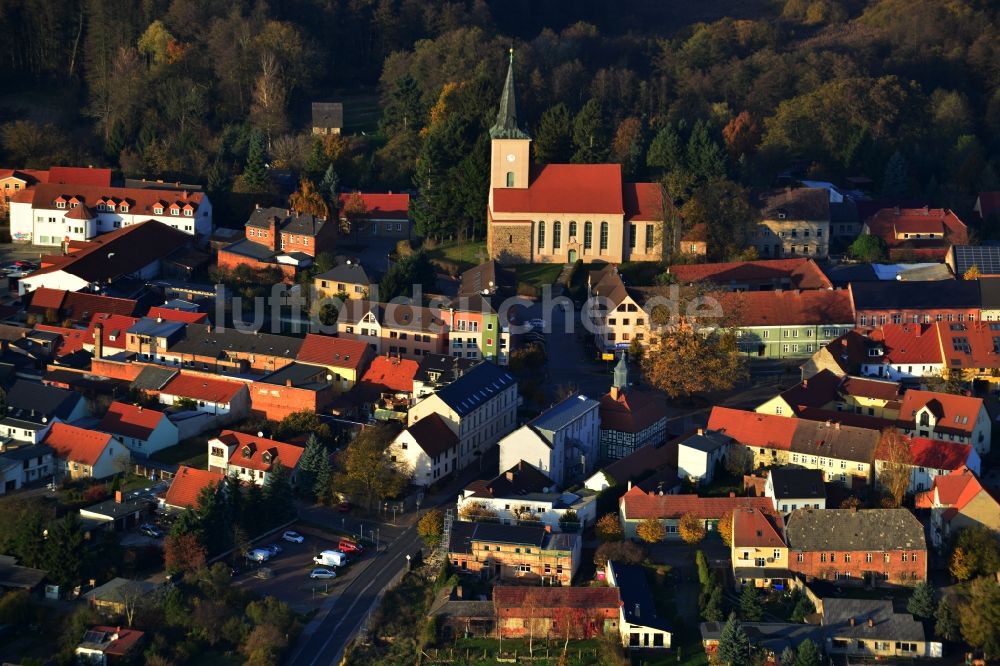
<point>702,563</point>
<point>625,552</point>
<point>527,290</point>
<point>96,493</point>
<point>608,528</point>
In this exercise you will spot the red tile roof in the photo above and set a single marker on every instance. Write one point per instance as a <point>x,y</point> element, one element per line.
<point>514,600</point>
<point>79,176</point>
<point>916,344</point>
<point>331,351</point>
<point>140,200</point>
<point>78,306</point>
<point>788,308</point>
<point>937,454</point>
<point>633,411</point>
<point>565,188</point>
<point>113,326</point>
<point>127,639</point>
<point>953,413</point>
<point>975,337</point>
<point>218,391</point>
<point>72,341</point>
<point>877,389</point>
<point>753,429</point>
<point>955,489</point>
<point>642,201</point>
<point>391,374</point>
<point>637,505</point>
<point>803,273</point>
<point>381,206</point>
<point>188,484</point>
<point>131,420</point>
<point>887,221</point>
<point>77,444</point>
<point>287,454</point>
<point>753,527</point>
<point>172,314</point>
<point>44,298</point>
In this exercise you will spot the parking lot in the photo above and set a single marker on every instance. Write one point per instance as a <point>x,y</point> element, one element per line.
<point>290,569</point>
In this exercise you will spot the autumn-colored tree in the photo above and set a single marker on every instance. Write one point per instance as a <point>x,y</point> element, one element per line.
<point>972,273</point>
<point>651,531</point>
<point>608,528</point>
<point>431,527</point>
<point>682,361</point>
<point>691,528</point>
<point>896,463</point>
<point>625,552</point>
<point>269,99</point>
<point>742,135</point>
<point>980,617</point>
<point>725,527</point>
<point>183,553</point>
<point>307,200</point>
<point>355,209</point>
<point>478,511</point>
<point>627,146</point>
<point>960,565</point>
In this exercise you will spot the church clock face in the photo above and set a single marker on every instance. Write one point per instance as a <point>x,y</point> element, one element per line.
<point>510,157</point>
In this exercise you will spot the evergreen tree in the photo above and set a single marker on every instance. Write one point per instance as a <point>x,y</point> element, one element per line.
<point>751,606</point>
<point>322,488</point>
<point>317,163</point>
<point>211,512</point>
<point>63,550</point>
<point>253,510</point>
<point>787,657</point>
<point>713,610</point>
<point>309,463</point>
<point>278,496</point>
<point>734,644</point>
<point>329,187</point>
<point>255,170</point>
<point>590,134</point>
<point>28,539</point>
<point>705,158</point>
<point>553,142</point>
<point>808,654</point>
<point>896,180</point>
<point>947,625</point>
<point>666,151</point>
<point>921,603</point>
<point>233,494</point>
<point>435,210</point>
<point>404,109</point>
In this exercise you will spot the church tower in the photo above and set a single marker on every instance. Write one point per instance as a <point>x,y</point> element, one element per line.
<point>620,384</point>
<point>510,158</point>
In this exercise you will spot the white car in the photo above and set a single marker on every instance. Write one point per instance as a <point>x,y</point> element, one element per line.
<point>322,573</point>
<point>258,555</point>
<point>294,537</point>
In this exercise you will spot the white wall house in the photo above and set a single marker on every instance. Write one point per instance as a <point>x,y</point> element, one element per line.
<point>638,624</point>
<point>562,442</point>
<point>931,458</point>
<point>546,508</point>
<point>225,401</point>
<point>251,458</point>
<point>946,417</point>
<point>144,431</point>
<point>790,488</point>
<point>428,448</point>
<point>699,454</point>
<point>24,464</point>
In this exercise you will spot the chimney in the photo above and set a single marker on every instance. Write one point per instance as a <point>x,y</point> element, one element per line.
<point>458,592</point>
<point>843,343</point>
<point>140,408</point>
<point>159,320</point>
<point>871,622</point>
<point>896,210</point>
<point>918,330</point>
<point>732,494</point>
<point>852,621</point>
<point>118,497</point>
<point>629,486</point>
<point>256,206</point>
<point>288,382</point>
<point>614,393</point>
<point>805,383</point>
<point>836,426</point>
<point>509,474</point>
<point>98,341</point>
<point>927,210</point>
<point>548,528</point>
<point>208,328</point>
<point>854,508</point>
<point>701,431</point>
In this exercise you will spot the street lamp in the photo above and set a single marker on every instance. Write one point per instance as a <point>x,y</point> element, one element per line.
<point>407,562</point>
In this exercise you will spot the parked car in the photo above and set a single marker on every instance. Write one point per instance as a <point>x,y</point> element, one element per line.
<point>151,530</point>
<point>293,537</point>
<point>274,549</point>
<point>25,264</point>
<point>350,547</point>
<point>322,573</point>
<point>258,555</point>
<point>331,558</point>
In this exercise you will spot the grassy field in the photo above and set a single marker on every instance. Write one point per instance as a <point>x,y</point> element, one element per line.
<point>537,274</point>
<point>466,254</point>
<point>192,452</point>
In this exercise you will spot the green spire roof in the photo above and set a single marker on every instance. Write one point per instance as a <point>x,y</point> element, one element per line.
<point>506,124</point>
<point>621,373</point>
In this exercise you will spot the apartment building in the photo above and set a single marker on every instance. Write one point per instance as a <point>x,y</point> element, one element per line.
<point>796,222</point>
<point>514,552</point>
<point>408,331</point>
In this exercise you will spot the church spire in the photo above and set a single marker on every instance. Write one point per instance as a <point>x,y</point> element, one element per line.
<point>621,374</point>
<point>506,124</point>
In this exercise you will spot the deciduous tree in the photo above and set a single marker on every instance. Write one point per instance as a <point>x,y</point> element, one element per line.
<point>742,135</point>
<point>431,527</point>
<point>626,552</point>
<point>308,200</point>
<point>725,527</point>
<point>478,511</point>
<point>979,553</point>
<point>868,249</point>
<point>651,531</point>
<point>609,528</point>
<point>691,528</point>
<point>980,617</point>
<point>682,361</point>
<point>183,553</point>
<point>896,464</point>
<point>366,470</point>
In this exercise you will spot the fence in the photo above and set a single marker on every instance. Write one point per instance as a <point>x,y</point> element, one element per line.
<point>543,655</point>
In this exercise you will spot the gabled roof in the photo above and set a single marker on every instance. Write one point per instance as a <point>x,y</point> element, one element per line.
<point>511,598</point>
<point>815,307</point>
<point>849,618</point>
<point>79,176</point>
<point>488,276</point>
<point>800,273</point>
<point>986,259</point>
<point>753,429</point>
<point>115,641</point>
<point>633,411</point>
<point>792,482</point>
<point>563,413</point>
<point>988,203</point>
<point>475,387</point>
<point>969,344</point>
<point>287,454</point>
<point>643,202</point>
<point>172,314</point>
<point>286,220</point>
<point>218,391</point>
<point>187,484</point>
<point>566,188</point>
<point>390,374</point>
<point>853,530</point>
<point>45,400</point>
<point>330,351</point>
<point>78,306</point>
<point>433,435</point>
<point>934,453</point>
<point>905,344</point>
<point>114,327</point>
<point>77,444</point>
<point>897,295</point>
<point>637,505</point>
<point>834,440</point>
<point>521,479</point>
<point>206,340</point>
<point>348,272</point>
<point>638,606</point>
<point>848,351</point>
<point>641,460</point>
<point>954,413</point>
<point>754,528</point>
<point>131,420</point>
<point>953,490</point>
<point>328,114</point>
<point>888,222</point>
<point>464,533</point>
<point>802,203</point>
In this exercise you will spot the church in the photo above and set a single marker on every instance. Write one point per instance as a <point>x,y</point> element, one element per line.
<point>559,213</point>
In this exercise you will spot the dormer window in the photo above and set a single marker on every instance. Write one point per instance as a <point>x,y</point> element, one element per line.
<point>158,210</point>
<point>123,207</point>
<point>60,203</point>
<point>266,457</point>
<point>174,211</point>
<point>247,451</point>
<point>188,212</point>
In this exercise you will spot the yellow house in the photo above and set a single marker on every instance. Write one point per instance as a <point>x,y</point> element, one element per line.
<point>619,318</point>
<point>349,280</point>
<point>796,222</point>
<point>758,551</point>
<point>827,392</point>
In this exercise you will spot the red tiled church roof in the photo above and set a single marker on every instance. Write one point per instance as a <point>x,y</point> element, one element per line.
<point>566,188</point>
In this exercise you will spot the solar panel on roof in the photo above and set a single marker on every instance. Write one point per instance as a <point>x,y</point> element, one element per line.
<point>94,637</point>
<point>985,258</point>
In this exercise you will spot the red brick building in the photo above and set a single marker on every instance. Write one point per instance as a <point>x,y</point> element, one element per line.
<point>870,546</point>
<point>281,239</point>
<point>554,612</point>
<point>294,388</point>
<point>897,302</point>
<point>917,233</point>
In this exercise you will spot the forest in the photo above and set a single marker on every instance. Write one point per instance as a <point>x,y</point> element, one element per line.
<point>716,101</point>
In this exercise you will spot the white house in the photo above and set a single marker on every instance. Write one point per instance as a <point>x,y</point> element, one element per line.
<point>563,441</point>
<point>251,458</point>
<point>930,458</point>
<point>638,624</point>
<point>903,351</point>
<point>792,487</point>
<point>946,417</point>
<point>82,453</point>
<point>700,453</point>
<point>32,408</point>
<point>225,400</point>
<point>24,464</point>
<point>142,430</point>
<point>428,447</point>
<point>479,407</point>
<point>52,213</point>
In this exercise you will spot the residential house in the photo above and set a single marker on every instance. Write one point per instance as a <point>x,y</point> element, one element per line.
<point>857,546</point>
<point>694,242</point>
<point>795,222</point>
<point>143,430</point>
<point>187,485</point>
<point>827,392</point>
<point>85,453</point>
<point>864,629</point>
<point>60,305</point>
<point>700,453</point>
<point>917,234</point>
<point>969,353</point>
<point>947,417</point>
<point>282,239</point>
<point>438,370</point>
<point>637,505</point>
<point>428,449</point>
<point>903,352</point>
<point>514,552</point>
<point>14,181</point>
<point>643,463</point>
<point>617,312</point>
<point>32,408</point>
<point>345,280</point>
<point>957,500</point>
<point>296,387</point>
<point>983,260</point>
<point>251,458</point>
<point>122,512</point>
<point>562,441</point>
<point>408,331</point>
<point>771,638</point>
<point>327,117</point>
<point>103,645</point>
<point>134,252</point>
<point>786,324</point>
<point>928,459</point>
<point>345,360</point>
<point>386,388</point>
<point>762,275</point>
<point>895,302</point>
<point>223,350</point>
<point>474,328</point>
<point>57,213</point>
<point>480,407</point>
<point>457,613</point>
<point>225,401</point>
<point>16,577</point>
<point>758,551</point>
<point>556,612</point>
<point>638,623</point>
<point>630,417</point>
<point>110,598</point>
<point>24,464</point>
<point>373,216</point>
<point>792,487</point>
<point>488,278</point>
<point>523,494</point>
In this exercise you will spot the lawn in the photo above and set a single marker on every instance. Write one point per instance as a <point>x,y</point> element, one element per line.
<point>192,452</point>
<point>537,275</point>
<point>135,482</point>
<point>465,254</point>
